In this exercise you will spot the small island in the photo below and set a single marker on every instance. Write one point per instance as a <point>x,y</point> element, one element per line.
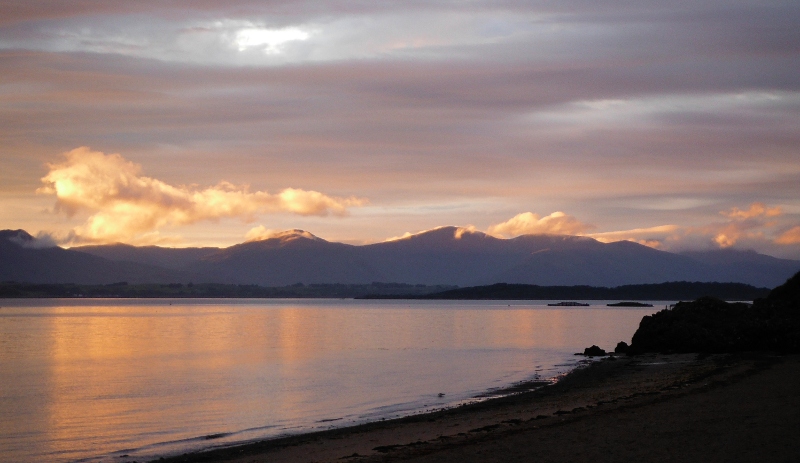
<point>569,304</point>
<point>629,304</point>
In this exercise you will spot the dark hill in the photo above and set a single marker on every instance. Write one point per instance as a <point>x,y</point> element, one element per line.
<point>671,291</point>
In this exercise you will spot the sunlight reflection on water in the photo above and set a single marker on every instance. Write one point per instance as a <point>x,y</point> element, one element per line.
<point>84,379</point>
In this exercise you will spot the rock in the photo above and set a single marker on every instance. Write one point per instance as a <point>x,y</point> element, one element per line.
<point>622,348</point>
<point>788,292</point>
<point>593,351</point>
<point>709,325</point>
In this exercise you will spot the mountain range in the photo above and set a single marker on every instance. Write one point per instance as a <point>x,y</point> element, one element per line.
<point>443,256</point>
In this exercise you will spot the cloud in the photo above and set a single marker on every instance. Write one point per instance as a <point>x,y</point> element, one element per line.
<point>791,236</point>
<point>653,237</point>
<point>750,224</point>
<point>461,231</point>
<point>560,223</point>
<point>753,226</point>
<point>260,233</point>
<point>756,210</point>
<point>557,223</point>
<point>729,234</point>
<point>125,204</point>
<point>757,226</point>
<point>419,103</point>
<point>458,233</point>
<point>42,240</point>
<point>400,237</point>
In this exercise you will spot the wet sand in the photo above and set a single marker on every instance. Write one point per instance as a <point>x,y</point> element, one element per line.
<point>743,407</point>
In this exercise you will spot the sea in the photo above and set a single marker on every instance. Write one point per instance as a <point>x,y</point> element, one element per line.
<point>122,380</point>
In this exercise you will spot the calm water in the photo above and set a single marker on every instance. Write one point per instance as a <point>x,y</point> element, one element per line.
<point>94,380</point>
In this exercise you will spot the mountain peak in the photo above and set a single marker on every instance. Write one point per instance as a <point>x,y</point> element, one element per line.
<point>273,239</point>
<point>26,240</point>
<point>286,236</point>
<point>445,233</point>
<point>16,236</point>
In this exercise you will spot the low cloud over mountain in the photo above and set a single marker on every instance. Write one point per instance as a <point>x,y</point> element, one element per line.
<point>124,205</point>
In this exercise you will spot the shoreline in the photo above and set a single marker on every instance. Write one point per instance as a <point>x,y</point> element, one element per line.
<point>290,439</point>
<point>675,291</point>
<point>566,417</point>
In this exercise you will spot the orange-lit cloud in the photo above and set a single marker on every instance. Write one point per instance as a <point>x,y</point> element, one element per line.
<point>560,223</point>
<point>791,236</point>
<point>457,233</point>
<point>755,226</point>
<point>461,231</point>
<point>752,225</point>
<point>756,210</point>
<point>262,233</point>
<point>726,235</point>
<point>743,224</point>
<point>557,223</point>
<point>124,204</point>
<point>401,237</point>
<point>653,237</point>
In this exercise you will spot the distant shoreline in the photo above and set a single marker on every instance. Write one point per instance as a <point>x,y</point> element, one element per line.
<point>670,291</point>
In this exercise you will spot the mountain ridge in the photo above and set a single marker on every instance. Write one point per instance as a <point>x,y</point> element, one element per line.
<point>442,256</point>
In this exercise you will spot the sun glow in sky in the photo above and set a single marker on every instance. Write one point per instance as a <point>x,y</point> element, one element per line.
<point>203,123</point>
<point>270,40</point>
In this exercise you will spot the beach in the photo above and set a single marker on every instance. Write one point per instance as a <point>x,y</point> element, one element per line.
<point>652,407</point>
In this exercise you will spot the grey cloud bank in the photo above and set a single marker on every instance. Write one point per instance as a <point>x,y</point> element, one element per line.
<point>437,112</point>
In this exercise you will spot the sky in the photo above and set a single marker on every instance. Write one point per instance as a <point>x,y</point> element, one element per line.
<point>206,123</point>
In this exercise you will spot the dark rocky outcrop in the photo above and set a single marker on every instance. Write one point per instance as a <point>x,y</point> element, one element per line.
<point>594,351</point>
<point>787,293</point>
<point>622,348</point>
<point>711,325</point>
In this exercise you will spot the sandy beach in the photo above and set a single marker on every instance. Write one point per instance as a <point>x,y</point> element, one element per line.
<point>682,407</point>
